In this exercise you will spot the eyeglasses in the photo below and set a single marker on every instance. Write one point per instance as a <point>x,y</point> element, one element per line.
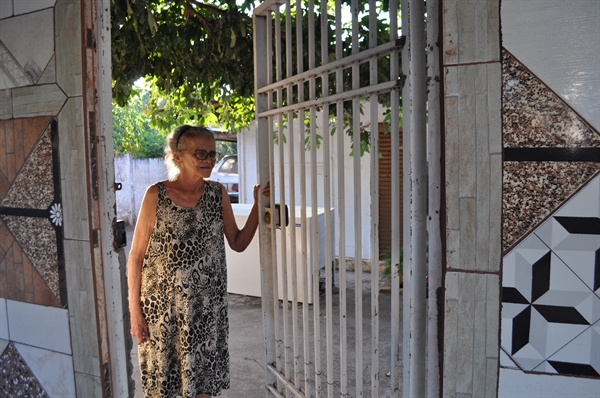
<point>201,154</point>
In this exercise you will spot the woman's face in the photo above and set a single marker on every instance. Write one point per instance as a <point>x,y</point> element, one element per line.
<point>194,149</point>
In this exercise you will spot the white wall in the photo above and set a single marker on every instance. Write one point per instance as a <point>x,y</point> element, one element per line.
<point>136,175</point>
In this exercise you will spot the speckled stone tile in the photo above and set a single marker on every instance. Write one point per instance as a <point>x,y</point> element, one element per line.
<point>40,247</point>
<point>33,187</point>
<point>16,379</point>
<point>534,190</point>
<point>534,116</point>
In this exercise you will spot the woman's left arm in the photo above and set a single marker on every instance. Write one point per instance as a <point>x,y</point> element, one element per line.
<point>239,239</point>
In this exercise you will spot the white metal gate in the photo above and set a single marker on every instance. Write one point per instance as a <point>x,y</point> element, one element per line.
<point>306,89</point>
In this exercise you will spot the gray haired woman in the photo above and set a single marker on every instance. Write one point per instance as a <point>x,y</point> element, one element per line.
<point>177,274</point>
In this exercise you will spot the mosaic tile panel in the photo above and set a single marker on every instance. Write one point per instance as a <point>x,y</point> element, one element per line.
<point>532,190</point>
<point>32,189</point>
<point>17,379</point>
<point>39,247</point>
<point>15,75</point>
<point>19,279</point>
<point>551,291</point>
<point>17,139</point>
<point>534,116</point>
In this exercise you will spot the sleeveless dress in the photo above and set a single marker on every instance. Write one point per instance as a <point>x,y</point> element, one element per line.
<point>184,299</point>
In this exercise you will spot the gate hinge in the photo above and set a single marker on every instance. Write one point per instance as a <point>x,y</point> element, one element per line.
<point>118,186</point>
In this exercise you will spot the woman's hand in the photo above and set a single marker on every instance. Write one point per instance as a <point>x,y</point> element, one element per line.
<point>266,191</point>
<point>139,328</point>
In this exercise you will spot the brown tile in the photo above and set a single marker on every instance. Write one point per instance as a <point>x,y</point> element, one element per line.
<point>9,133</point>
<point>42,293</point>
<point>11,167</point>
<point>19,276</point>
<point>12,287</point>
<point>17,253</point>
<point>33,128</point>
<point>6,238</point>
<point>27,272</point>
<point>4,186</point>
<point>19,154</point>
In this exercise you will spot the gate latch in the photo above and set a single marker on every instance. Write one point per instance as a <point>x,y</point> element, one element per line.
<point>275,216</point>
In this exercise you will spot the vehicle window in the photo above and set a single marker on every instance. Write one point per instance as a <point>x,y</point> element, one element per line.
<point>229,166</point>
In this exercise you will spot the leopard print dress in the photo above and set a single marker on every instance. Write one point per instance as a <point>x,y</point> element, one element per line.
<point>184,300</point>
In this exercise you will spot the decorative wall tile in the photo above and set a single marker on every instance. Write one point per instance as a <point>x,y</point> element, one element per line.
<point>23,7</point>
<point>6,9</point>
<point>19,279</point>
<point>37,100</point>
<point>39,326</point>
<point>13,75</point>
<point>53,370</point>
<point>40,247</point>
<point>534,116</point>
<point>49,75</point>
<point>69,65</point>
<point>17,379</point>
<point>533,190</point>
<point>32,189</point>
<point>551,281</point>
<point>30,40</point>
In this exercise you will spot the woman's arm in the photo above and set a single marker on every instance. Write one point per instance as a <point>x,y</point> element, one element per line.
<point>141,237</point>
<point>240,239</point>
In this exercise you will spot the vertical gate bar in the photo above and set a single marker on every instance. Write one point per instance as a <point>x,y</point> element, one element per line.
<point>435,197</point>
<point>314,202</point>
<point>327,202</point>
<point>419,200</point>
<point>292,192</point>
<point>395,143</point>
<point>282,230</point>
<point>266,245</point>
<point>341,218</point>
<point>303,227</point>
<point>275,285</point>
<point>357,206</point>
<point>374,207</point>
<point>407,197</point>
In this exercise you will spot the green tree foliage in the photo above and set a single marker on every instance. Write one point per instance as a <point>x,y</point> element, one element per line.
<point>133,132</point>
<point>197,57</point>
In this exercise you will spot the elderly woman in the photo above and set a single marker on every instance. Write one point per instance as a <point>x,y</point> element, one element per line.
<point>177,274</point>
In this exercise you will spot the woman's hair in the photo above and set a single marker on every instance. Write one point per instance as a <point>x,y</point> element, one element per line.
<point>174,143</point>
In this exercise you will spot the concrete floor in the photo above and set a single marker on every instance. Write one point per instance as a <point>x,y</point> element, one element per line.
<point>246,343</point>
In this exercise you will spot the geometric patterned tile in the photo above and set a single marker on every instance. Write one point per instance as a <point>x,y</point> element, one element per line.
<point>32,187</point>
<point>550,310</point>
<point>17,379</point>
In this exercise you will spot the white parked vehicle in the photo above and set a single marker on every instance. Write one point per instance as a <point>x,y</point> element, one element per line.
<point>226,172</point>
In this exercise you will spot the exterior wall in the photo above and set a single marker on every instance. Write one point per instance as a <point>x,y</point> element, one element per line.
<point>551,199</point>
<point>136,175</point>
<point>471,85</point>
<point>54,323</point>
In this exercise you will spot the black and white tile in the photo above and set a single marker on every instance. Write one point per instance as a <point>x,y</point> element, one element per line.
<point>551,292</point>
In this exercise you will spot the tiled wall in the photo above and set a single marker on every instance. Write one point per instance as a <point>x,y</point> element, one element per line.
<point>551,199</point>
<point>49,336</point>
<point>473,169</point>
